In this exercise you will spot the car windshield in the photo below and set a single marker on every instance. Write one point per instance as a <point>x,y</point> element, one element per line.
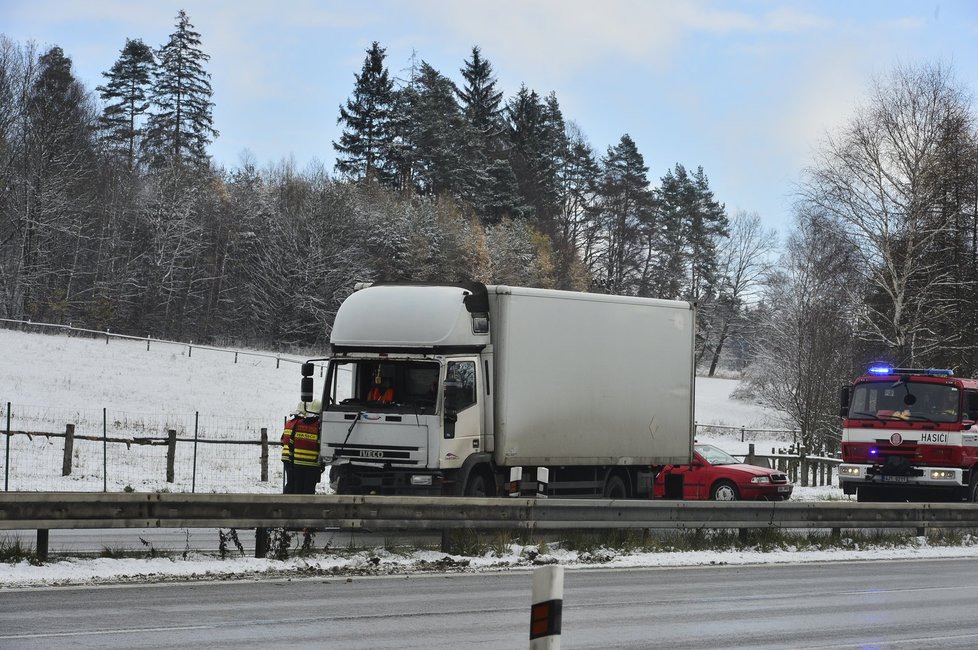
<point>715,455</point>
<point>905,400</point>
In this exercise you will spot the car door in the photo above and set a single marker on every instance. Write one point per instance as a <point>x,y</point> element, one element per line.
<point>696,485</point>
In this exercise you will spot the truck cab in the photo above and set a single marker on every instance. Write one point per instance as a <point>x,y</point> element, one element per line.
<point>406,401</point>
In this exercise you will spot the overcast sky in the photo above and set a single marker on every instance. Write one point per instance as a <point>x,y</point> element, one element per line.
<point>744,88</point>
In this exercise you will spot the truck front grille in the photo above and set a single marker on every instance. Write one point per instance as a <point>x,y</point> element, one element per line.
<point>382,455</point>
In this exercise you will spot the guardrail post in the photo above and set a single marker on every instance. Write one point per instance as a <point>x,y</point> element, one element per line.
<point>171,454</point>
<point>264,454</point>
<point>261,542</point>
<point>6,458</point>
<point>42,544</point>
<point>69,449</point>
<point>546,607</point>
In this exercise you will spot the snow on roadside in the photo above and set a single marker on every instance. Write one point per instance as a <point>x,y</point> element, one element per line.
<point>379,562</point>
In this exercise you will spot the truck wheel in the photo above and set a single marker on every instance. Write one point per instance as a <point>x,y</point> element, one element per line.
<point>615,488</point>
<point>724,491</point>
<point>479,485</point>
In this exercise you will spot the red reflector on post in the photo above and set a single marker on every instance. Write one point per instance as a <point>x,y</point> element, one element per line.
<point>545,618</point>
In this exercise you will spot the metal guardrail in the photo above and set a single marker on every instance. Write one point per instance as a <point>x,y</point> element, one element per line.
<point>59,510</point>
<point>44,511</point>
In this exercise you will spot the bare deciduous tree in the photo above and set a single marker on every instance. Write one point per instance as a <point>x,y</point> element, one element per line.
<point>881,178</point>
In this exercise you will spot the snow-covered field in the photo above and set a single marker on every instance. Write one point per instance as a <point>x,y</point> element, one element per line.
<point>52,379</point>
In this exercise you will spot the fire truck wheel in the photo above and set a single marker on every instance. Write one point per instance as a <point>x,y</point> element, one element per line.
<point>724,491</point>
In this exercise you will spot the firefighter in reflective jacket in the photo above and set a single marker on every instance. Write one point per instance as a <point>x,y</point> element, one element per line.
<point>300,450</point>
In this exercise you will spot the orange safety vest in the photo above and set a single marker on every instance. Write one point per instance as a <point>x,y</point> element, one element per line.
<point>300,441</point>
<point>377,395</point>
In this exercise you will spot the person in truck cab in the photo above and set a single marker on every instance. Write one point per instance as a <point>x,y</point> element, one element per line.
<point>382,391</point>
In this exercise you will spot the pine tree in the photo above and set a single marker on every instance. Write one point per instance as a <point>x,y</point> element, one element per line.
<point>531,155</point>
<point>692,223</point>
<point>59,161</point>
<point>125,94</point>
<point>441,138</point>
<point>576,235</point>
<point>495,193</point>
<point>627,218</point>
<point>708,226</point>
<point>481,102</point>
<point>181,126</point>
<point>366,139</point>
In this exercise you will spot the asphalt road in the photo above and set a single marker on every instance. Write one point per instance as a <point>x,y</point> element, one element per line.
<point>908,604</point>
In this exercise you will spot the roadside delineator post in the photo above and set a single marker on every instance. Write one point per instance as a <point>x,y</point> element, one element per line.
<point>547,607</point>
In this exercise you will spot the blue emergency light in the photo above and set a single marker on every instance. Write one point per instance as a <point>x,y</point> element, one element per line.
<point>887,369</point>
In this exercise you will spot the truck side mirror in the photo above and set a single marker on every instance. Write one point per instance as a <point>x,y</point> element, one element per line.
<point>308,369</point>
<point>844,402</point>
<point>306,390</point>
<point>451,417</point>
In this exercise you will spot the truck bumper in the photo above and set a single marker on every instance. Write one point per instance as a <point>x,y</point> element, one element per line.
<point>353,479</point>
<point>851,476</point>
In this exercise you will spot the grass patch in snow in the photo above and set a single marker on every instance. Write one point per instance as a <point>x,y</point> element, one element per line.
<point>623,542</point>
<point>13,551</point>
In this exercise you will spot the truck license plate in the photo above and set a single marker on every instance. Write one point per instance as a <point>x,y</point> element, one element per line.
<point>783,488</point>
<point>894,479</point>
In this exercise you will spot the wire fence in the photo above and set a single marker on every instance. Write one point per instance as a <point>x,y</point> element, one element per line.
<point>114,451</point>
<point>50,448</point>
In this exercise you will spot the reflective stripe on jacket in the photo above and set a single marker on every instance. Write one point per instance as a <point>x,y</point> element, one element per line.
<point>300,441</point>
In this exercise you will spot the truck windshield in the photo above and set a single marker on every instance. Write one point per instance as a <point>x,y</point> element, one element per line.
<point>383,384</point>
<point>905,400</point>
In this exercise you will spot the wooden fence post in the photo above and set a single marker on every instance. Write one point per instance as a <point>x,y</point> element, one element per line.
<point>69,449</point>
<point>171,454</point>
<point>264,454</point>
<point>803,465</point>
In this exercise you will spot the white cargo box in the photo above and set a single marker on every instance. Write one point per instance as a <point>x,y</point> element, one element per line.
<point>590,379</point>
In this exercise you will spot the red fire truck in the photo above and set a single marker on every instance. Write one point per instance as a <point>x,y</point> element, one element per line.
<point>910,435</point>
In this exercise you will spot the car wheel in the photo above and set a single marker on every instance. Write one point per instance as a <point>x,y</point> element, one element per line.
<point>478,485</point>
<point>724,491</point>
<point>615,488</point>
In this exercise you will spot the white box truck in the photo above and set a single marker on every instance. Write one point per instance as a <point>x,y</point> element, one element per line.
<point>470,389</point>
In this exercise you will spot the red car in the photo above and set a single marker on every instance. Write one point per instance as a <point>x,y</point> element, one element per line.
<point>717,475</point>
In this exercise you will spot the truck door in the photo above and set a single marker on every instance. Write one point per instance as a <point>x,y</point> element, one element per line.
<point>461,412</point>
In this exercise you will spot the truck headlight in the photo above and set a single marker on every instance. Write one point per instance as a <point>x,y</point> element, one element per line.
<point>421,479</point>
<point>941,474</point>
<point>849,470</point>
<point>761,479</point>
